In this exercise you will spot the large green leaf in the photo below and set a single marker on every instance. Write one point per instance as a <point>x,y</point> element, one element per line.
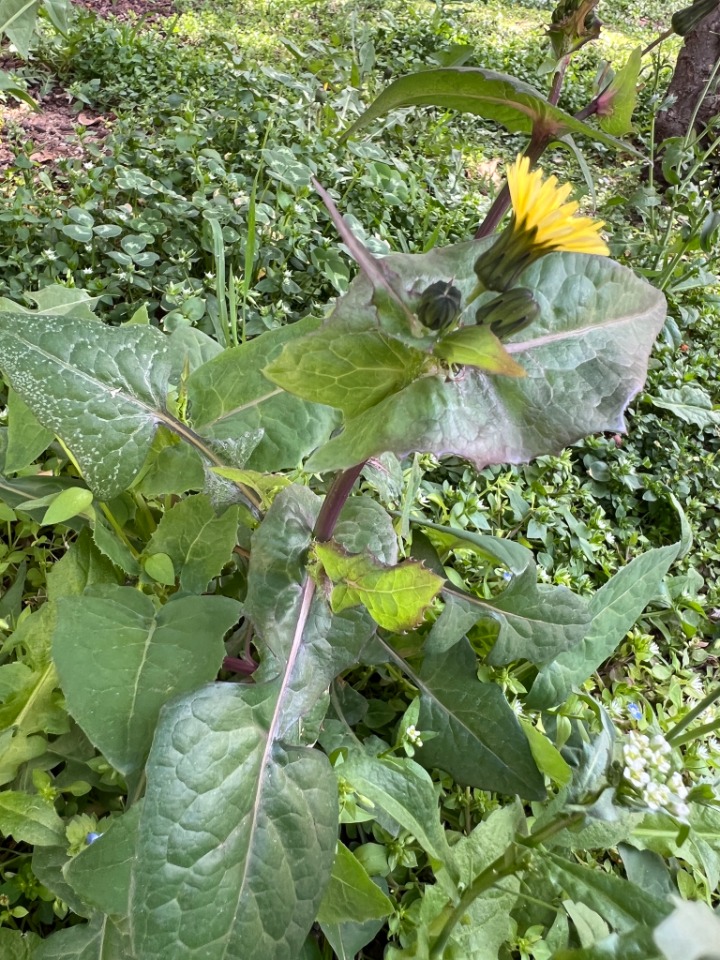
<point>120,660</point>
<point>233,854</point>
<point>614,609</point>
<point>27,439</point>
<point>478,739</point>
<point>30,819</point>
<point>229,398</point>
<point>17,20</point>
<point>351,895</point>
<point>585,357</point>
<point>494,96</point>
<point>17,946</point>
<point>101,389</point>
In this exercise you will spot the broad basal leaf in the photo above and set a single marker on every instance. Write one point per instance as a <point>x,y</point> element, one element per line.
<point>120,659</point>
<point>495,96</point>
<point>30,819</point>
<point>101,389</point>
<point>229,397</point>
<point>351,895</point>
<point>613,609</point>
<point>17,20</point>
<point>100,939</point>
<point>237,832</point>
<point>585,359</point>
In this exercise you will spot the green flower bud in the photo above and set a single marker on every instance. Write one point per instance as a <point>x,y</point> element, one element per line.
<point>509,313</point>
<point>440,305</point>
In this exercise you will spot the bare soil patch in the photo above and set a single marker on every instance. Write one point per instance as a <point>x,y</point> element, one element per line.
<point>126,8</point>
<point>52,130</point>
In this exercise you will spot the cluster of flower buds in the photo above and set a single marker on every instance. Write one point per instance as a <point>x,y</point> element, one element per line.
<point>573,24</point>
<point>649,770</point>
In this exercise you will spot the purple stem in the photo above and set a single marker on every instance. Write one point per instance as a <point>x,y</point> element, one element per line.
<point>334,501</point>
<point>239,665</point>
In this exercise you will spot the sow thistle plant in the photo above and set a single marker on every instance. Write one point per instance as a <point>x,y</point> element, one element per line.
<point>208,535</point>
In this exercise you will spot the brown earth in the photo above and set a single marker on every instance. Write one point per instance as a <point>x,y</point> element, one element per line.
<point>125,8</point>
<point>52,130</point>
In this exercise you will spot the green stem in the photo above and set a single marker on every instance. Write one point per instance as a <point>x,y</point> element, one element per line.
<point>508,863</point>
<point>673,736</point>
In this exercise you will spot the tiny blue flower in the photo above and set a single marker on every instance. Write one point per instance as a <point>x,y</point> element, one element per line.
<point>92,837</point>
<point>507,575</point>
<point>635,711</point>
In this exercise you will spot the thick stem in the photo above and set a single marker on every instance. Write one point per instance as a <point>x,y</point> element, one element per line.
<point>334,502</point>
<point>557,83</point>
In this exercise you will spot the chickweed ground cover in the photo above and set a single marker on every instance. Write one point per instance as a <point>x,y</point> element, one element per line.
<point>197,217</point>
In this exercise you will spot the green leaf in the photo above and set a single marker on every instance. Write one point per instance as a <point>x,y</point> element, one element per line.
<point>55,299</point>
<point>616,104</point>
<point>27,439</point>
<point>491,549</point>
<point>47,866</point>
<point>198,541</point>
<point>478,347</point>
<point>68,504</point>
<point>351,895</point>
<point>619,902</point>
<point>614,609</point>
<point>30,819</point>
<point>229,397</point>
<point>403,791</point>
<point>546,755</point>
<point>349,370</point>
<point>172,467</point>
<point>120,659</point>
<point>15,945</point>
<point>395,597</point>
<point>691,932</point>
<point>478,741</point>
<point>79,567</point>
<point>249,883</point>
<point>159,567</point>
<point>17,20</point>
<point>690,404</point>
<point>100,874</point>
<point>112,547</point>
<point>585,357</point>
<point>106,411</point>
<point>100,939</point>
<point>633,944</point>
<point>701,849</point>
<point>496,96</point>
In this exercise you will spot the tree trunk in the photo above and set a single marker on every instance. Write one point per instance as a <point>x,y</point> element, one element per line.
<point>695,64</point>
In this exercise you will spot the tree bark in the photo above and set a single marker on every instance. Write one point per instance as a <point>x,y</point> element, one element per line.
<point>695,64</point>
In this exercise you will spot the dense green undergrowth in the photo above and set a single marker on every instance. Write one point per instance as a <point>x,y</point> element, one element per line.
<point>219,118</point>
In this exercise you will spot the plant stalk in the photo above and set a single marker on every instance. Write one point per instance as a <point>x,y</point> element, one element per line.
<point>534,151</point>
<point>674,738</point>
<point>334,502</point>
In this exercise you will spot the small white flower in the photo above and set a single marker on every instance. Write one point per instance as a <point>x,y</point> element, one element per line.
<point>413,735</point>
<point>638,778</point>
<point>657,795</point>
<point>677,786</point>
<point>49,255</point>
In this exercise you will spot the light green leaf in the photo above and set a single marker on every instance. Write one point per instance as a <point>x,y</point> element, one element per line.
<point>27,439</point>
<point>17,20</point>
<point>100,874</point>
<point>100,939</point>
<point>247,885</point>
<point>477,347</point>
<point>546,755</point>
<point>614,609</point>
<point>403,791</point>
<point>172,467</point>
<point>495,96</point>
<point>585,357</point>
<point>345,369</point>
<point>68,504</point>
<point>15,945</point>
<point>120,659</point>
<point>229,397</point>
<point>111,546</point>
<point>351,895</point>
<point>198,541</point>
<point>47,866</point>
<point>616,104</point>
<point>395,597</point>
<point>106,410</point>
<point>690,404</point>
<point>30,819</point>
<point>159,567</point>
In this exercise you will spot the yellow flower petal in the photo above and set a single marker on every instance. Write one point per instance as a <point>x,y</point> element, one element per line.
<point>541,208</point>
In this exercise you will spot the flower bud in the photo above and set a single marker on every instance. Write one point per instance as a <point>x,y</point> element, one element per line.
<point>509,313</point>
<point>685,20</point>
<point>440,305</point>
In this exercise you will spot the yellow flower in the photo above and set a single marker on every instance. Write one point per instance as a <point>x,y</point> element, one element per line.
<point>542,221</point>
<point>540,205</point>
